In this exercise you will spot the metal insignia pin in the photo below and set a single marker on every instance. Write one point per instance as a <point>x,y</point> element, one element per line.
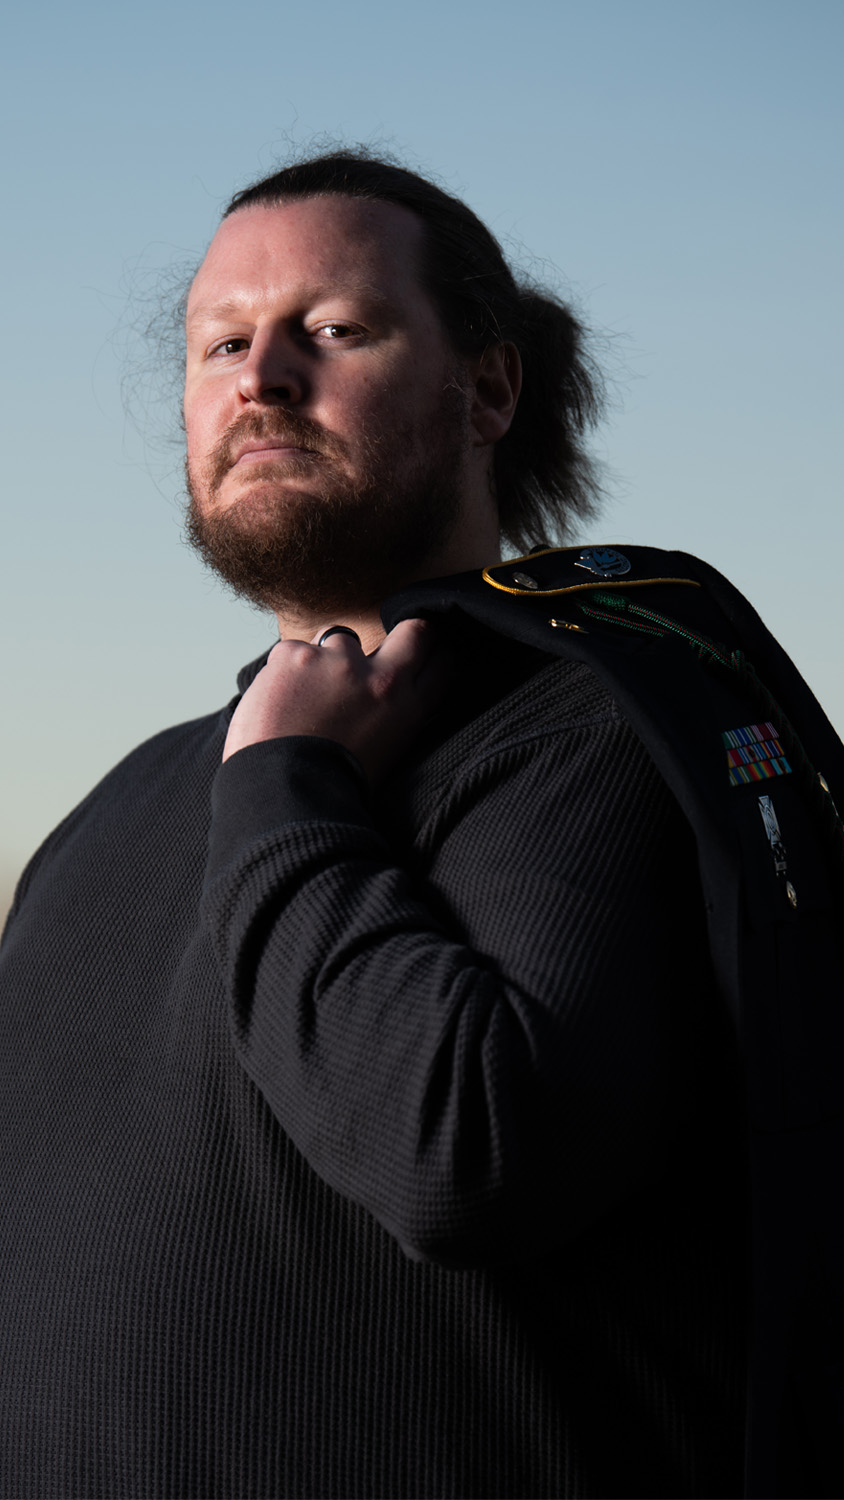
<point>772,829</point>
<point>824,784</point>
<point>604,562</point>
<point>525,580</point>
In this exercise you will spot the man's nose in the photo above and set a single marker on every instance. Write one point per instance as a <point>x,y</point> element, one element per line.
<point>272,373</point>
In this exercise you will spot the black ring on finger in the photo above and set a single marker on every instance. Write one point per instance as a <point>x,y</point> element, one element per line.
<point>337,630</point>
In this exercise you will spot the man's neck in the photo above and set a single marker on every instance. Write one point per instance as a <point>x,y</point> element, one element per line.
<point>365,623</point>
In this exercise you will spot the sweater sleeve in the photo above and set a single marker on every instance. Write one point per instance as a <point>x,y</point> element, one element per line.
<point>493,1044</point>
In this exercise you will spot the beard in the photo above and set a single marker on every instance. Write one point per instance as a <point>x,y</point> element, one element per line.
<point>337,544</point>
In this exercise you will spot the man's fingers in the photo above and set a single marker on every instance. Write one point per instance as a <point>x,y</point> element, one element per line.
<point>411,643</point>
<point>414,654</point>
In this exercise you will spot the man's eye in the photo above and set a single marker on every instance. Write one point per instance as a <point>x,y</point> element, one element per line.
<point>230,346</point>
<point>338,330</point>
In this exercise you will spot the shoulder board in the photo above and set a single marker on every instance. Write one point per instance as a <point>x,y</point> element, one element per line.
<point>553,572</point>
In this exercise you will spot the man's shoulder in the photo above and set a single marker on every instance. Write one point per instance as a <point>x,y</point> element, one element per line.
<point>168,751</point>
<point>540,709</point>
<point>174,766</point>
<point>540,695</point>
<point>193,745</point>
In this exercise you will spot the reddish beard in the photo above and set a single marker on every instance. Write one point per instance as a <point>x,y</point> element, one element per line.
<point>338,544</point>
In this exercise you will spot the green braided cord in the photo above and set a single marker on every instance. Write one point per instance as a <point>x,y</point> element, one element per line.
<point>612,601</point>
<point>713,654</point>
<point>701,643</point>
<point>598,614</point>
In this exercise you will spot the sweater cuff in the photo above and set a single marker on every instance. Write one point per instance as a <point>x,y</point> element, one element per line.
<point>297,779</point>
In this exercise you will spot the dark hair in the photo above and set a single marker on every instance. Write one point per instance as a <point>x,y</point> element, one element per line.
<point>544,475</point>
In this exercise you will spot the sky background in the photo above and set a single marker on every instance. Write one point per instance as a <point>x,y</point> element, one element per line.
<point>675,168</point>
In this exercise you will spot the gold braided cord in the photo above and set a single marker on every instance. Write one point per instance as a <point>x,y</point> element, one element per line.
<point>578,588</point>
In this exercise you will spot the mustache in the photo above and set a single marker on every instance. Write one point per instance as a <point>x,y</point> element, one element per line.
<point>287,426</point>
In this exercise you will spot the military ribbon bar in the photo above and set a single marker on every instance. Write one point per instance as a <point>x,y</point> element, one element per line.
<point>754,753</point>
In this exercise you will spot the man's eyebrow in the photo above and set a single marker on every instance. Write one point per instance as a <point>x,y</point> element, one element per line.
<point>208,311</point>
<point>233,307</point>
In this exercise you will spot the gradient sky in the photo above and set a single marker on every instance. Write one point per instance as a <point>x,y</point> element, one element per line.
<point>675,167</point>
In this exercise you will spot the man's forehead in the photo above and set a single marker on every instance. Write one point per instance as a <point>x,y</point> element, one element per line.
<point>361,245</point>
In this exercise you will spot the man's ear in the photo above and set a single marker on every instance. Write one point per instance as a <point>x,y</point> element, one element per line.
<point>497,379</point>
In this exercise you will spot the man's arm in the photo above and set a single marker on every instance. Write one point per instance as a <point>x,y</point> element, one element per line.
<point>490,1057</point>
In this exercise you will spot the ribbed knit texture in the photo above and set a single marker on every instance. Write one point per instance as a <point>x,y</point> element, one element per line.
<point>408,1168</point>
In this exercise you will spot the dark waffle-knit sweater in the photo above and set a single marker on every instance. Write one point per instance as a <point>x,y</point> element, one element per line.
<point>371,1147</point>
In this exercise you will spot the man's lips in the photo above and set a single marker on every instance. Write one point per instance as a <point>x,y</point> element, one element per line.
<point>267,449</point>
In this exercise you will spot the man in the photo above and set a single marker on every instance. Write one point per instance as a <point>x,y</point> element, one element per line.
<point>370,1118</point>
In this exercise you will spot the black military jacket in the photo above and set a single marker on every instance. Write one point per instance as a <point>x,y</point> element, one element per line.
<point>758,770</point>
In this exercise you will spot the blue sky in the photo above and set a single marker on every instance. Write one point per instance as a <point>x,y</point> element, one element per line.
<point>676,168</point>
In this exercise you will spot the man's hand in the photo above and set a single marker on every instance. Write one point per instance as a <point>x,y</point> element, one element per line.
<point>374,705</point>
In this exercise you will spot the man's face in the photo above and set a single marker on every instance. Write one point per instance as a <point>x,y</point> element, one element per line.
<point>327,423</point>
